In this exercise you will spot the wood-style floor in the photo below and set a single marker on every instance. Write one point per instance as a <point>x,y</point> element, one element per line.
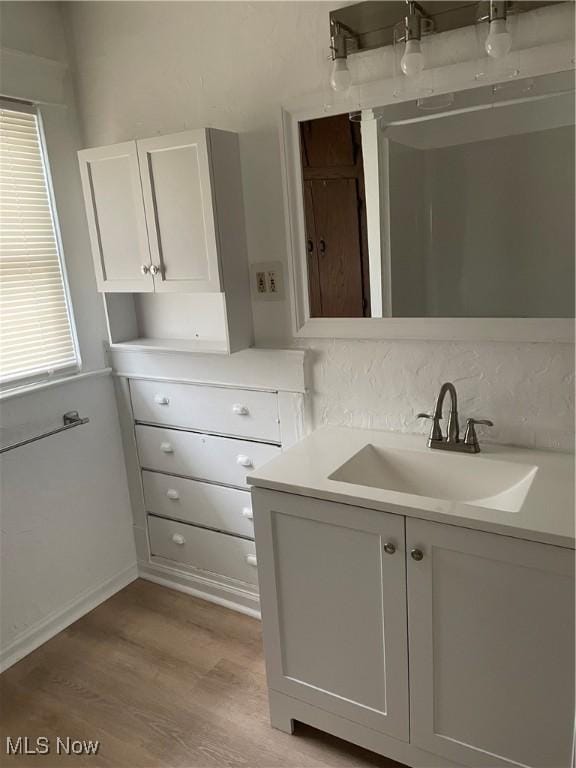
<point>162,680</point>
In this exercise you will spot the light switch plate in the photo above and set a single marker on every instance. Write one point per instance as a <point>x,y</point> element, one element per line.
<point>267,281</point>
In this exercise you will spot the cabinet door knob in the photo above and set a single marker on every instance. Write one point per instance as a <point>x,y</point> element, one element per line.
<point>389,548</point>
<point>177,538</point>
<point>154,270</point>
<point>144,269</point>
<point>244,461</point>
<point>251,560</point>
<point>166,448</point>
<point>416,554</point>
<point>239,410</point>
<point>161,400</point>
<point>247,513</point>
<point>172,494</point>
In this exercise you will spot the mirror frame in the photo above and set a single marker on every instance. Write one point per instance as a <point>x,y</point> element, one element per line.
<point>547,59</point>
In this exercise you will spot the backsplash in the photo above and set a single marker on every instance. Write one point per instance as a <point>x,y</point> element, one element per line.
<point>525,389</point>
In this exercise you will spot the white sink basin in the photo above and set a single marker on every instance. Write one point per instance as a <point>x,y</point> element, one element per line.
<point>468,479</point>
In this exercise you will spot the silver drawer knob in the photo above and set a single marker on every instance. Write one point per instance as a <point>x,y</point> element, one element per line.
<point>154,270</point>
<point>239,410</point>
<point>247,513</point>
<point>416,554</point>
<point>251,560</point>
<point>389,548</point>
<point>166,448</point>
<point>177,538</point>
<point>244,461</point>
<point>172,494</point>
<point>144,269</point>
<point>161,400</point>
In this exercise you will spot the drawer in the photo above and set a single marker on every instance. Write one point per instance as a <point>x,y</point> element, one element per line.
<point>207,550</point>
<point>201,457</point>
<point>192,502</point>
<point>239,412</point>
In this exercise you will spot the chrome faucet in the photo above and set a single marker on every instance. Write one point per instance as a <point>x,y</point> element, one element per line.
<point>452,440</point>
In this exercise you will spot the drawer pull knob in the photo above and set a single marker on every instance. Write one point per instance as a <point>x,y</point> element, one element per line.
<point>251,560</point>
<point>172,494</point>
<point>166,448</point>
<point>177,538</point>
<point>416,554</point>
<point>389,548</point>
<point>244,461</point>
<point>239,410</point>
<point>247,513</point>
<point>161,400</point>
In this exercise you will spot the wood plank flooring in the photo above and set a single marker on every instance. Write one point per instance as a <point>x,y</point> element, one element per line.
<point>162,680</point>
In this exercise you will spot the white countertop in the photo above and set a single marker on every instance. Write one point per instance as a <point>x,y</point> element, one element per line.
<point>547,514</point>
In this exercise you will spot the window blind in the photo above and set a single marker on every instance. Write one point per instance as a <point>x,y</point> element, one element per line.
<point>36,335</point>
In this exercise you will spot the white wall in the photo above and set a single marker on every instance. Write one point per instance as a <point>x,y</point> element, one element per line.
<point>154,67</point>
<point>65,518</point>
<point>66,539</point>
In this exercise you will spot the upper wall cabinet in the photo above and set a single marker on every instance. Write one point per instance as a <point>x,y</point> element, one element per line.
<point>152,211</point>
<point>180,211</point>
<point>166,215</point>
<point>116,221</point>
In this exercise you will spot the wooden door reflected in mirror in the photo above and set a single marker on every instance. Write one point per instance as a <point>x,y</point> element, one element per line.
<point>335,217</point>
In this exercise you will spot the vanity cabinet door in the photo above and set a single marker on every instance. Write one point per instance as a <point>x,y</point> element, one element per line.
<point>177,187</point>
<point>115,215</point>
<point>491,628</point>
<point>334,607</point>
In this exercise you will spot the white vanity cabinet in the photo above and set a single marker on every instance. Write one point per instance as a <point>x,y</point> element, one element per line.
<point>332,588</point>
<point>489,641</point>
<point>491,633</point>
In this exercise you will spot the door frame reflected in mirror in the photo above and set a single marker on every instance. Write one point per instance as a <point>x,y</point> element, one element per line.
<point>544,60</point>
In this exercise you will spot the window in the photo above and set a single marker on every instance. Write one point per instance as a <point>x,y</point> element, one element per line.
<point>36,332</point>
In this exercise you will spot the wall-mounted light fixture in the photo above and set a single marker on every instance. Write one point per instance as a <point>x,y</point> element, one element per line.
<point>415,24</point>
<point>499,40</point>
<point>368,25</point>
<point>340,77</point>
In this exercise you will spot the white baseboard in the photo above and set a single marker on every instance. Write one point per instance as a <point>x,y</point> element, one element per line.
<point>235,600</point>
<point>55,622</point>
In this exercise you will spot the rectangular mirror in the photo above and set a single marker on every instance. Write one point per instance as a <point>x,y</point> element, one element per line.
<point>457,205</point>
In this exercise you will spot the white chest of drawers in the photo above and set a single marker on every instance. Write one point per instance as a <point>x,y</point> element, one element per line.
<point>189,445</point>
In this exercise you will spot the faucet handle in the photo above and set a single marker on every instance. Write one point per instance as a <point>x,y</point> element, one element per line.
<point>470,436</point>
<point>435,432</point>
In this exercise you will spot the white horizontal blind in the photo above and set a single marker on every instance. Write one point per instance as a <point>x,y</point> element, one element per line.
<point>35,327</point>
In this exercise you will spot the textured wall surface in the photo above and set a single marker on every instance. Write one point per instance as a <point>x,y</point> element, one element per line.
<point>158,67</point>
<point>526,389</point>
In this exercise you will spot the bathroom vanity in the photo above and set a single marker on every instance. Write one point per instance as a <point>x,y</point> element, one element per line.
<point>420,603</point>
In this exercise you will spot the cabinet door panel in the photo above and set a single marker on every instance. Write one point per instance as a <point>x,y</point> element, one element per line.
<point>115,213</point>
<point>334,608</point>
<point>179,211</point>
<point>491,628</point>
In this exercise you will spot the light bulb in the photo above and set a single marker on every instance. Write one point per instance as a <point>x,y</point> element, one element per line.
<point>340,79</point>
<point>499,40</point>
<point>412,63</point>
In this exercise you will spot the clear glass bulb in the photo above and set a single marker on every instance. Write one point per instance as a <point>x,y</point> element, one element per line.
<point>499,40</point>
<point>412,62</point>
<point>340,79</point>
